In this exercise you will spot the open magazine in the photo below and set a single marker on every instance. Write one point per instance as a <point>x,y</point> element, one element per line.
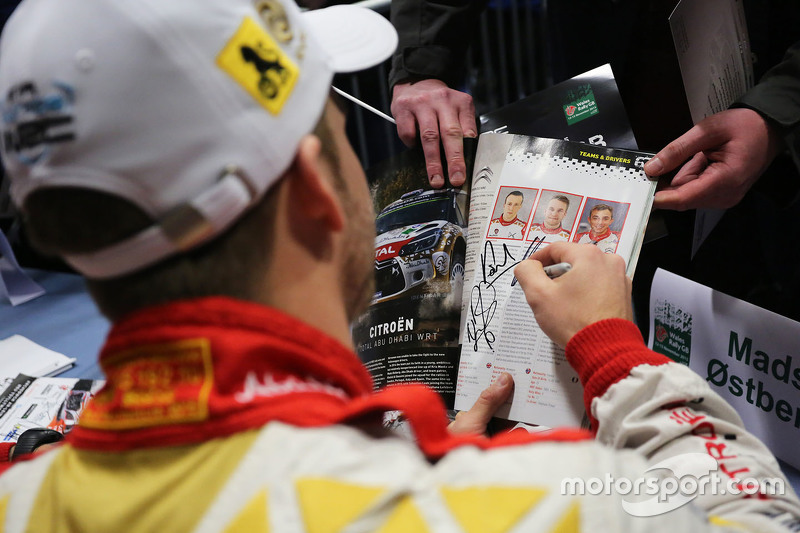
<point>430,243</point>
<point>527,193</point>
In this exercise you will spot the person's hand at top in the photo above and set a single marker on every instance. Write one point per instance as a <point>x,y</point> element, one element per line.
<point>722,156</point>
<point>433,111</point>
<point>596,288</point>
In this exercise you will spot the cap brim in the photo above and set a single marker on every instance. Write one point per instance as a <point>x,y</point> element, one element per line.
<point>355,38</point>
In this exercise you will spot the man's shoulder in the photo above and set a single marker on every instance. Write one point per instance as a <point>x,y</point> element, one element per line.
<point>375,444</point>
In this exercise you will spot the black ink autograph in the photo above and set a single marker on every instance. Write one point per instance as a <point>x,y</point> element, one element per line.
<point>483,300</point>
<point>483,313</point>
<point>537,242</point>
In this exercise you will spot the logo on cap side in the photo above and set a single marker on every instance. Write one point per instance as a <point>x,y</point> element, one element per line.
<point>33,121</point>
<point>256,62</point>
<point>274,16</point>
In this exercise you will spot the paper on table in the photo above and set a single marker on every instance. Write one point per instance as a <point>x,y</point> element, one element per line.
<point>19,355</point>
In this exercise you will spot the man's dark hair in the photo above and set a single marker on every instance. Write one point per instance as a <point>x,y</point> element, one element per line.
<point>515,193</point>
<point>561,198</point>
<point>602,207</point>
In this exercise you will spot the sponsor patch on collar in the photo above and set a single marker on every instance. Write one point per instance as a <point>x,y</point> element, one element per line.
<point>152,385</point>
<point>257,63</point>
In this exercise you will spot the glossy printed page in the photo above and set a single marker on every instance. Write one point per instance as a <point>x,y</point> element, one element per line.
<point>541,191</point>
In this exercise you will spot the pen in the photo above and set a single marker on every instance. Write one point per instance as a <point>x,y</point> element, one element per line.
<point>559,269</point>
<point>364,105</point>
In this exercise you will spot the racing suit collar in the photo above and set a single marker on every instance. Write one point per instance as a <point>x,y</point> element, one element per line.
<point>218,366</point>
<point>549,231</point>
<point>502,221</point>
<point>596,238</point>
<point>188,372</point>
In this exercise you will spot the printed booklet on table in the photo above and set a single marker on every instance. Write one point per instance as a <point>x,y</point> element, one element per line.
<point>446,310</point>
<point>32,402</point>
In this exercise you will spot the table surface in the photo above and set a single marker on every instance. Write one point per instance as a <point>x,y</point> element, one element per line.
<point>66,320</point>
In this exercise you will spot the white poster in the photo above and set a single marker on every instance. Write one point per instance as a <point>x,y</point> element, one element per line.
<point>748,355</point>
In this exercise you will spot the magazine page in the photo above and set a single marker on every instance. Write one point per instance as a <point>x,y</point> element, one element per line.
<point>541,191</point>
<point>586,108</point>
<point>410,331</point>
<point>56,403</point>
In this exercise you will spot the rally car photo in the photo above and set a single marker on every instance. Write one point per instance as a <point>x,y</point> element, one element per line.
<point>420,244</point>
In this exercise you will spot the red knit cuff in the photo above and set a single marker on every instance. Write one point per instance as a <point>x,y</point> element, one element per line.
<point>604,353</point>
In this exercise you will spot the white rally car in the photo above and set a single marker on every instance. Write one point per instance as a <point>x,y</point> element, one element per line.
<point>421,238</point>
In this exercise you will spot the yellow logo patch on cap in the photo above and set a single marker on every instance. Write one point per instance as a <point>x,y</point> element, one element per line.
<point>256,62</point>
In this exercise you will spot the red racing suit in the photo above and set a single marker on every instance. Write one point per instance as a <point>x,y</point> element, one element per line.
<point>607,242</point>
<point>220,415</point>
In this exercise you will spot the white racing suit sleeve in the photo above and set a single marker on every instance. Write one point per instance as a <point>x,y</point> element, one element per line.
<point>640,400</point>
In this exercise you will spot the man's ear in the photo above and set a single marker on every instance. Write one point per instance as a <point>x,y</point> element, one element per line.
<point>311,189</point>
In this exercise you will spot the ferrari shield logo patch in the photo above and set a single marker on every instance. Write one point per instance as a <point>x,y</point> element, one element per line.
<point>256,62</point>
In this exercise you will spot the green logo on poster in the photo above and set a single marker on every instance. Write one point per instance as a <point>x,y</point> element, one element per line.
<point>672,334</point>
<point>672,342</point>
<point>579,104</point>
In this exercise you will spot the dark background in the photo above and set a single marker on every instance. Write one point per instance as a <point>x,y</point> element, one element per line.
<point>750,255</point>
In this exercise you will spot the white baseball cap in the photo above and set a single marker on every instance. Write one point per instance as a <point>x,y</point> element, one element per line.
<point>190,109</point>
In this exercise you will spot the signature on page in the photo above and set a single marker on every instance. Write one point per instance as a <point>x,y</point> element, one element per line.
<point>495,263</point>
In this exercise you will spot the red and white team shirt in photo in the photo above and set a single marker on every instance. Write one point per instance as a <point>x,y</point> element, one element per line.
<point>607,242</point>
<point>546,235</point>
<point>499,228</point>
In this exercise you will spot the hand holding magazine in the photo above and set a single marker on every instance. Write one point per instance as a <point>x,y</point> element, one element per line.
<point>447,310</point>
<point>527,193</point>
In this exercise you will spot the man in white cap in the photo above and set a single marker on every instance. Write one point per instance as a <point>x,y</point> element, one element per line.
<point>185,157</point>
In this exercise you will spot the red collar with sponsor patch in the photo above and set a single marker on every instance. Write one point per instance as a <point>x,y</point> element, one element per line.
<point>597,238</point>
<point>502,221</point>
<point>549,231</point>
<point>194,370</point>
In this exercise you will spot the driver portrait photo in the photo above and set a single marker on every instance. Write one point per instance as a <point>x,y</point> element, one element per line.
<point>601,224</point>
<point>511,212</point>
<point>554,217</point>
